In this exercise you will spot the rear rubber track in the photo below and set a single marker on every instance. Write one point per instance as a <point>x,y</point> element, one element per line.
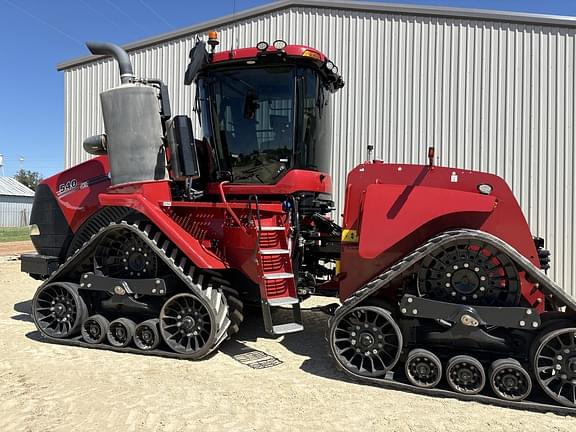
<point>547,286</point>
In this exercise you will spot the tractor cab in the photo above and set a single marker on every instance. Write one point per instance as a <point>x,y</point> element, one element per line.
<point>264,111</point>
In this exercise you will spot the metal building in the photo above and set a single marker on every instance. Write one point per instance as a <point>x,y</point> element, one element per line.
<point>493,91</point>
<point>15,203</point>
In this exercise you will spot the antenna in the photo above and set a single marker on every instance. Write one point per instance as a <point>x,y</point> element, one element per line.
<point>21,162</point>
<point>233,25</point>
<point>2,165</point>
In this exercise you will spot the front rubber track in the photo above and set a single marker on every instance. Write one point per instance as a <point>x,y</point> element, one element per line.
<point>201,285</point>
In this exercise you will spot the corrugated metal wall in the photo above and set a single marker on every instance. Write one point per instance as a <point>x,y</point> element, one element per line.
<point>492,96</point>
<point>15,211</point>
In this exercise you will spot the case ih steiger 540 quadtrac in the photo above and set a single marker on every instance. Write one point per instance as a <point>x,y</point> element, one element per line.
<point>157,244</point>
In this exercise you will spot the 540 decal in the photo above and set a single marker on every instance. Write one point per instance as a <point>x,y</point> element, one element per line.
<point>69,186</point>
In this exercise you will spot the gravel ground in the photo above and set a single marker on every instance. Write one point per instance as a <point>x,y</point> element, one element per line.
<point>47,387</point>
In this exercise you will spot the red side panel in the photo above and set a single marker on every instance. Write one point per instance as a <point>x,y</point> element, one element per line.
<point>147,198</point>
<point>405,209</point>
<point>394,208</point>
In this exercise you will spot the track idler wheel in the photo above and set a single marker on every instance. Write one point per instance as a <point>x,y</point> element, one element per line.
<point>146,335</point>
<point>120,332</point>
<point>58,309</point>
<point>509,380</point>
<point>187,325</point>
<point>554,363</point>
<point>94,329</point>
<point>366,341</point>
<point>465,375</point>
<point>423,369</point>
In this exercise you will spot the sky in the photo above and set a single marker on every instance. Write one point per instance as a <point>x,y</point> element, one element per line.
<point>36,35</point>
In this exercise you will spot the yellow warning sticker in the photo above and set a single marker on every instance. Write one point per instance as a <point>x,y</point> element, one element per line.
<point>349,236</point>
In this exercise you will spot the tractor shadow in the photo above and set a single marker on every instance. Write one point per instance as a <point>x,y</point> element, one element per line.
<point>310,343</point>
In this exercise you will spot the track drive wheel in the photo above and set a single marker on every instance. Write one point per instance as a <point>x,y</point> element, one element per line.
<point>423,369</point>
<point>120,332</point>
<point>146,335</point>
<point>465,375</point>
<point>94,329</point>
<point>509,380</point>
<point>554,363</point>
<point>58,309</point>
<point>365,341</point>
<point>187,325</point>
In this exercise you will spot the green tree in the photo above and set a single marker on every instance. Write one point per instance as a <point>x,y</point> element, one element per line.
<point>29,178</point>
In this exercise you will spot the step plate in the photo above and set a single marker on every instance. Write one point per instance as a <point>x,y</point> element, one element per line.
<point>281,329</point>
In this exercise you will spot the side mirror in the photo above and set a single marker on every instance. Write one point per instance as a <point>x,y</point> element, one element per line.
<point>183,153</point>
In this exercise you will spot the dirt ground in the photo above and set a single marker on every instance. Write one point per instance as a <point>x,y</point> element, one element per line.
<point>47,387</point>
<point>13,248</point>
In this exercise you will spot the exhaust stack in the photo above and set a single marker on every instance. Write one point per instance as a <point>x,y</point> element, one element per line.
<point>133,124</point>
<point>116,52</point>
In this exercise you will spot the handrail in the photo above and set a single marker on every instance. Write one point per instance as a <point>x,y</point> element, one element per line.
<point>228,208</point>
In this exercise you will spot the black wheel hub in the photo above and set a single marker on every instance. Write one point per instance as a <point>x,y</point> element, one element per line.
<point>186,324</point>
<point>119,333</point>
<point>422,369</point>
<point>470,272</point>
<point>555,365</point>
<point>465,281</point>
<point>466,376</point>
<point>58,309</point>
<point>366,341</point>
<point>94,329</point>
<point>123,254</point>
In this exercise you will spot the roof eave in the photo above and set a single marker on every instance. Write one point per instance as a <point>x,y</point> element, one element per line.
<point>436,11</point>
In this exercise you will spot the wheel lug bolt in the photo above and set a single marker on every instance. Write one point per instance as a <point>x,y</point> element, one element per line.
<point>448,274</point>
<point>476,269</point>
<point>51,308</point>
<point>455,267</point>
<point>564,376</point>
<point>380,345</point>
<point>482,278</point>
<point>179,317</point>
<point>447,284</point>
<point>466,265</point>
<point>558,367</point>
<point>374,351</point>
<point>353,342</point>
<point>374,328</point>
<point>559,357</point>
<point>380,337</point>
<point>353,333</point>
<point>358,350</point>
<point>481,288</point>
<point>124,260</point>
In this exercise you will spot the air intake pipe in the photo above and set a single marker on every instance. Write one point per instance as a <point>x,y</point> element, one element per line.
<point>121,56</point>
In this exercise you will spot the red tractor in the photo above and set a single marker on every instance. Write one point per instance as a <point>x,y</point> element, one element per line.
<point>155,245</point>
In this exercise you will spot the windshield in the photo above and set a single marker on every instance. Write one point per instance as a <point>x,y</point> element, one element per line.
<point>264,121</point>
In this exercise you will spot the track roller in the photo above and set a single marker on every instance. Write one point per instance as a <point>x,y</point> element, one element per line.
<point>554,363</point>
<point>423,369</point>
<point>94,329</point>
<point>465,375</point>
<point>509,380</point>
<point>187,325</point>
<point>120,332</point>
<point>146,335</point>
<point>58,309</point>
<point>366,341</point>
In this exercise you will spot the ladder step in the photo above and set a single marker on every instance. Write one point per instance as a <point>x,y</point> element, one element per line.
<point>281,301</point>
<point>287,328</point>
<point>272,276</point>
<point>272,228</point>
<point>274,251</point>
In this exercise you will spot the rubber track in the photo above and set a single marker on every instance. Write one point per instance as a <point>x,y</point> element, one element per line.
<point>547,286</point>
<point>175,260</point>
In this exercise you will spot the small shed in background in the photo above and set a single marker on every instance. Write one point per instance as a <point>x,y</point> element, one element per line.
<point>15,203</point>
